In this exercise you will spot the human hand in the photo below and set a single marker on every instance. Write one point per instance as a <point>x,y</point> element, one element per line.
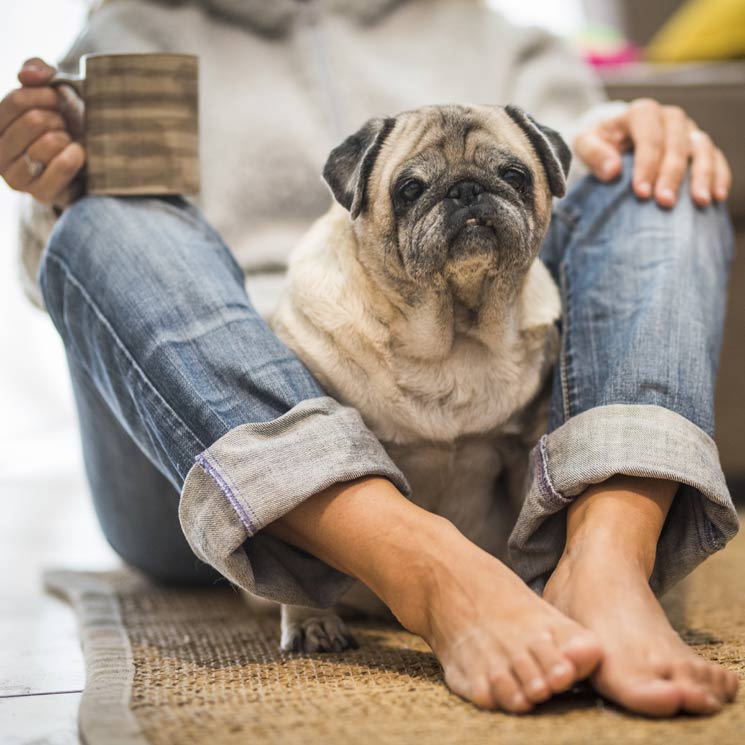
<point>39,126</point>
<point>664,140</point>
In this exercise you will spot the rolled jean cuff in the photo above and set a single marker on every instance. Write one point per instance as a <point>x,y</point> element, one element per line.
<point>256,473</point>
<point>634,440</point>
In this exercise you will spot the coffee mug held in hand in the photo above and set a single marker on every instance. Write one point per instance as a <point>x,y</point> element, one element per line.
<point>141,131</point>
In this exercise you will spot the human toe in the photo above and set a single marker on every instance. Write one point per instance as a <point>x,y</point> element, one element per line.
<point>558,670</point>
<point>731,683</point>
<point>643,693</point>
<point>697,685</point>
<point>507,692</point>
<point>530,676</point>
<point>583,649</point>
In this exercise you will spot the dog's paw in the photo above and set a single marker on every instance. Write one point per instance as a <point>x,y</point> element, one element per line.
<point>319,632</point>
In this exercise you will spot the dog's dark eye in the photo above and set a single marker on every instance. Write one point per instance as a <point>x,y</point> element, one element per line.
<point>412,189</point>
<point>516,178</point>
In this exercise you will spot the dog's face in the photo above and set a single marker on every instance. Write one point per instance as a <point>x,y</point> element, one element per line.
<point>442,194</point>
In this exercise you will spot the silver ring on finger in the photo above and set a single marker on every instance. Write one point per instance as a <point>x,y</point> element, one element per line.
<point>34,167</point>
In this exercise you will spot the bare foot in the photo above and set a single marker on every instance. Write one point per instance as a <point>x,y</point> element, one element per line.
<point>646,666</point>
<point>500,645</point>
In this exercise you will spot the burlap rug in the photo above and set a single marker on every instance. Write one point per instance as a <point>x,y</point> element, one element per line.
<point>185,667</point>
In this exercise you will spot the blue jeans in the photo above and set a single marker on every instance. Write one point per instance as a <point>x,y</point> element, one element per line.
<point>200,427</point>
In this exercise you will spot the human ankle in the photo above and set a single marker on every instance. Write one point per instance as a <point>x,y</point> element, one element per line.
<point>620,519</point>
<point>414,573</point>
<point>603,547</point>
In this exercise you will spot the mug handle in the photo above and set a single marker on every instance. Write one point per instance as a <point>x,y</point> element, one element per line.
<point>74,81</point>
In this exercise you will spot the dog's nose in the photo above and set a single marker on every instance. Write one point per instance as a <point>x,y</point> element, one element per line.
<point>465,192</point>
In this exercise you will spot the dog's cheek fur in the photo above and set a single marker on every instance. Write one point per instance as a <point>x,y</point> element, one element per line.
<point>423,244</point>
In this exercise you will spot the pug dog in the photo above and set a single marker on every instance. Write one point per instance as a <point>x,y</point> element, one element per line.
<point>419,300</point>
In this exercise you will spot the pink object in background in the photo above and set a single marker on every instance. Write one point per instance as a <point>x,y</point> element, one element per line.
<point>605,47</point>
<point>623,56</point>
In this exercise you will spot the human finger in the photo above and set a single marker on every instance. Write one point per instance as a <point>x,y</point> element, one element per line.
<point>702,167</point>
<point>647,133</point>
<point>36,72</point>
<point>18,174</point>
<point>21,100</point>
<point>677,151</point>
<point>599,155</point>
<point>59,174</point>
<point>722,176</point>
<point>23,131</point>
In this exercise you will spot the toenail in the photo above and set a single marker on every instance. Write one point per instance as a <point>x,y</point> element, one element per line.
<point>537,685</point>
<point>713,701</point>
<point>518,701</point>
<point>559,670</point>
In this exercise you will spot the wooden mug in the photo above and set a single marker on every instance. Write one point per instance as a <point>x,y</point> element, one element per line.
<point>141,130</point>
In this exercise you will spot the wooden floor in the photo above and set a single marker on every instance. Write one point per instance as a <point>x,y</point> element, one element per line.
<point>47,522</point>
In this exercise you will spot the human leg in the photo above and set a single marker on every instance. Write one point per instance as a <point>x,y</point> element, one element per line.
<point>136,505</point>
<point>643,294</point>
<point>602,581</point>
<point>152,310</point>
<point>156,318</point>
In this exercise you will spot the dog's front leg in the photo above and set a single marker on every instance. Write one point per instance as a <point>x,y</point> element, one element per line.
<point>314,630</point>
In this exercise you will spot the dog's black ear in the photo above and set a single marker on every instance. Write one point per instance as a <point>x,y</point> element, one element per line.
<point>549,146</point>
<point>349,165</point>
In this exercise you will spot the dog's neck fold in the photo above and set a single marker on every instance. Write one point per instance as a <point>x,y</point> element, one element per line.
<point>426,321</point>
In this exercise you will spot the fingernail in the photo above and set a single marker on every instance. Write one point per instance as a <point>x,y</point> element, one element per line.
<point>643,189</point>
<point>667,194</point>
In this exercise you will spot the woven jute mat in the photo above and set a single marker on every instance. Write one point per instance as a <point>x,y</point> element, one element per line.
<point>176,667</point>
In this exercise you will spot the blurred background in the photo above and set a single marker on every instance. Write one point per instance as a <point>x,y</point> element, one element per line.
<point>689,53</point>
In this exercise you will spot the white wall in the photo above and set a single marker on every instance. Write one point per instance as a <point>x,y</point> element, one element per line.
<point>36,416</point>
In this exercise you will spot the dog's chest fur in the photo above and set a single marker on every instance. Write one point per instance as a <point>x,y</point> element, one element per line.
<point>457,413</point>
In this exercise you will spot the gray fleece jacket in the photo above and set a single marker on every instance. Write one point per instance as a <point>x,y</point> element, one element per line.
<point>284,81</point>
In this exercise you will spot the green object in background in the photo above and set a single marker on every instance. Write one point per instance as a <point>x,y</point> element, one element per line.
<point>701,30</point>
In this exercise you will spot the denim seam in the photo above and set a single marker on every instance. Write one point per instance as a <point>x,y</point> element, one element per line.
<point>223,472</point>
<point>544,475</point>
<point>120,345</point>
<point>565,353</point>
<point>203,461</point>
<point>707,540</point>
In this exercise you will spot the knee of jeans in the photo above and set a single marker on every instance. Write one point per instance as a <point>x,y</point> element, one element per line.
<point>110,243</point>
<point>81,243</point>
<point>687,236</point>
<point>84,228</point>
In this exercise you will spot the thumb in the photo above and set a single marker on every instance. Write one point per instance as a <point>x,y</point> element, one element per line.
<point>603,158</point>
<point>36,72</point>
